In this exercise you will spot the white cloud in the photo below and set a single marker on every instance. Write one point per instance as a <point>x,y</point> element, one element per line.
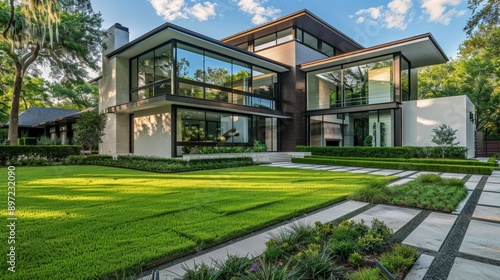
<point>260,13</point>
<point>203,12</point>
<point>397,14</point>
<point>173,9</point>
<point>436,10</point>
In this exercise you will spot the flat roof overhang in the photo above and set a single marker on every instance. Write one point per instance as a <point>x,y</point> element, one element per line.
<point>163,100</point>
<point>303,19</point>
<point>168,31</point>
<point>421,50</point>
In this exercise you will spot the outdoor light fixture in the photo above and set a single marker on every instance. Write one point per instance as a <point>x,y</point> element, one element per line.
<point>471,117</point>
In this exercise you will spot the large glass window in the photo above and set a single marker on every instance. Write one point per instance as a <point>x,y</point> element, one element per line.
<point>202,74</point>
<point>146,69</point>
<point>368,83</point>
<point>279,37</point>
<point>217,70</point>
<point>264,82</point>
<point>405,80</point>
<point>190,63</point>
<point>324,89</point>
<point>163,63</point>
<point>198,128</point>
<point>310,40</point>
<point>241,76</point>
<point>373,128</point>
<point>363,83</point>
<point>315,43</point>
<point>151,73</point>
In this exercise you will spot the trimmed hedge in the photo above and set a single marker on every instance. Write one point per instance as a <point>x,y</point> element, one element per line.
<point>26,141</point>
<point>483,170</point>
<point>159,165</point>
<point>385,152</point>
<point>53,153</point>
<point>421,160</point>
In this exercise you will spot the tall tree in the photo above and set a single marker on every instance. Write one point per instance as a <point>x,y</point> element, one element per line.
<point>62,34</point>
<point>77,96</point>
<point>484,13</point>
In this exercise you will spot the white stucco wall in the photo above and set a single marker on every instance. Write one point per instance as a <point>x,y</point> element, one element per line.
<point>420,117</point>
<point>153,132</point>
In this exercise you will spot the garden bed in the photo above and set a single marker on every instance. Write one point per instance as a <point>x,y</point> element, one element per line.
<point>349,250</point>
<point>428,191</point>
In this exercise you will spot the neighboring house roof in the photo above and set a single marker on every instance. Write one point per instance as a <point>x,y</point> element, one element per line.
<point>36,115</point>
<point>65,119</point>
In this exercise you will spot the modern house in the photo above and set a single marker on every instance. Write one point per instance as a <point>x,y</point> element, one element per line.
<point>294,81</point>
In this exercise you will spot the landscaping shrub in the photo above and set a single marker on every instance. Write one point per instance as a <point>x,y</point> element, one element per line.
<point>419,160</point>
<point>385,152</point>
<point>234,266</point>
<point>160,165</point>
<point>327,251</point>
<point>399,261</point>
<point>52,154</point>
<point>25,141</point>
<point>483,170</point>
<point>258,147</point>
<point>374,192</point>
<point>430,192</point>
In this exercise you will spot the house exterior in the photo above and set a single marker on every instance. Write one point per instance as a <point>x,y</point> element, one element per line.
<point>55,123</point>
<point>294,81</point>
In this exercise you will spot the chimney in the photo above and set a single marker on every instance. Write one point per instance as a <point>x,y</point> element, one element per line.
<point>117,36</point>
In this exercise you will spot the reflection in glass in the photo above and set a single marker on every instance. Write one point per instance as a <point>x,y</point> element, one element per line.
<point>284,36</point>
<point>216,94</point>
<point>241,76</point>
<point>310,40</point>
<point>146,70</point>
<point>264,81</point>
<point>265,42</point>
<point>133,73</point>
<point>217,70</point>
<point>370,83</point>
<point>190,63</point>
<point>190,90</point>
<point>405,79</point>
<point>163,62</point>
<point>324,89</point>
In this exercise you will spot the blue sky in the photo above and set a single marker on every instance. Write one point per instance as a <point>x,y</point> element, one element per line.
<point>370,22</point>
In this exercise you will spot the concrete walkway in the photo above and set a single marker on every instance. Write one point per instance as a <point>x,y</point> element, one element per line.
<point>462,245</point>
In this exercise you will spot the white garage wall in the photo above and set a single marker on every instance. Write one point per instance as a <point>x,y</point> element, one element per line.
<point>420,117</point>
<point>152,132</point>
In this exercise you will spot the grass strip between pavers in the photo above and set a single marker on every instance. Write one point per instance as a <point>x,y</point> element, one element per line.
<point>95,222</point>
<point>466,169</point>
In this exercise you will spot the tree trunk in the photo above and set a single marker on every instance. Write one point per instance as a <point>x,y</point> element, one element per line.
<point>14,108</point>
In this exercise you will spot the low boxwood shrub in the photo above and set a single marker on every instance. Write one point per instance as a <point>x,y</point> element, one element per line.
<point>483,170</point>
<point>385,152</point>
<point>420,160</point>
<point>50,153</point>
<point>24,141</point>
<point>160,165</point>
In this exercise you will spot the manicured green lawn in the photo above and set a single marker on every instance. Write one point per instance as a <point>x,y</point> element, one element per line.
<point>79,222</point>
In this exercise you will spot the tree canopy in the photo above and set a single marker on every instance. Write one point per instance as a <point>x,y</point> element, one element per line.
<point>61,35</point>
